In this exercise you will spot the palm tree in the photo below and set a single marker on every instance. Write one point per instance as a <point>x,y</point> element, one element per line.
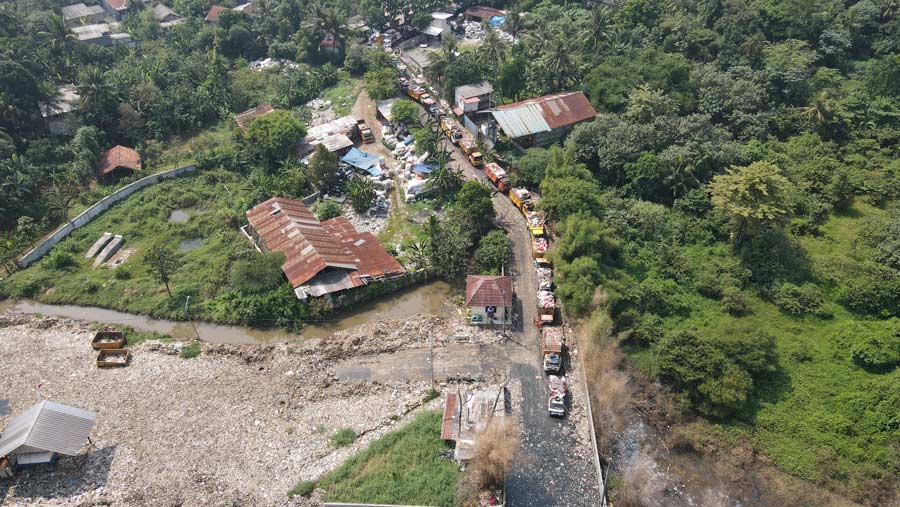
<point>444,179</point>
<point>98,97</point>
<point>889,8</point>
<point>417,255</point>
<point>681,176</point>
<point>598,32</point>
<point>323,20</point>
<point>819,110</point>
<point>493,50</point>
<point>59,43</point>
<point>558,60</point>
<point>362,193</point>
<point>513,23</point>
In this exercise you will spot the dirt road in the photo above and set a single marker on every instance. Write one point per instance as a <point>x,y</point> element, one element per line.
<point>554,465</point>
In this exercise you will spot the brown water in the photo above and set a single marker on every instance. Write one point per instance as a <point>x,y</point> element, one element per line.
<point>430,298</point>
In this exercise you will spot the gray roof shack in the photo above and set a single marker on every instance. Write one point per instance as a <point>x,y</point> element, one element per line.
<point>95,34</point>
<point>56,112</point>
<point>80,14</point>
<point>335,135</point>
<point>166,16</point>
<point>384,109</point>
<point>543,120</point>
<point>44,430</point>
<point>467,415</point>
<point>473,97</point>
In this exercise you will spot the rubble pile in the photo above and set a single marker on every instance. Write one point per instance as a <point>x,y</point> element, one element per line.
<point>378,338</point>
<point>238,425</point>
<point>321,111</point>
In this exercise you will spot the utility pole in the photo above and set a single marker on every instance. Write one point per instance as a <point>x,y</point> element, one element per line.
<point>188,315</point>
<point>431,358</point>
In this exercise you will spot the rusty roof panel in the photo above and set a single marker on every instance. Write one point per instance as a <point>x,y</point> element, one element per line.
<point>542,114</point>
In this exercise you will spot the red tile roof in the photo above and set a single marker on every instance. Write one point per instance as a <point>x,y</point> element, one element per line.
<point>488,290</point>
<point>118,5</point>
<point>483,12</point>
<point>310,246</point>
<point>213,15</point>
<point>244,119</point>
<point>119,156</point>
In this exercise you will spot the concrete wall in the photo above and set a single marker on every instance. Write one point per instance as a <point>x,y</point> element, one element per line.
<point>89,214</point>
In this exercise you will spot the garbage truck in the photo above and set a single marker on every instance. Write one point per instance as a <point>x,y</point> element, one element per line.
<point>470,149</point>
<point>556,404</point>
<point>497,175</point>
<point>552,348</point>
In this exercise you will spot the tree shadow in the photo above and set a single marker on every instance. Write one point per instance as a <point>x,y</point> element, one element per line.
<point>69,476</point>
<point>768,389</point>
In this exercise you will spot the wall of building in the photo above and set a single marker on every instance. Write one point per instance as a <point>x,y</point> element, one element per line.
<point>498,316</point>
<point>89,214</point>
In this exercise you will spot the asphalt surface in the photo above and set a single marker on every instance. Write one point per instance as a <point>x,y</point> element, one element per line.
<point>546,472</point>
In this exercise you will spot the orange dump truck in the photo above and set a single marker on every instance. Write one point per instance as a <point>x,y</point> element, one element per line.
<point>497,175</point>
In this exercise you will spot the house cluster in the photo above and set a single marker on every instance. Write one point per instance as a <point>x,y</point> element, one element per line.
<point>100,24</point>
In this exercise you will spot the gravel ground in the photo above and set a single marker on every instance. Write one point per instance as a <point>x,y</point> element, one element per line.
<point>239,425</point>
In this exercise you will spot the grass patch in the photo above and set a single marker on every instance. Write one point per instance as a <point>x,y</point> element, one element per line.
<point>405,467</point>
<point>304,488</point>
<point>343,94</point>
<point>191,351</point>
<point>431,394</point>
<point>342,437</point>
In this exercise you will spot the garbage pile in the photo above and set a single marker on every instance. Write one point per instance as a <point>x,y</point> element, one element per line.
<point>545,278</point>
<point>473,31</point>
<point>539,245</point>
<point>321,111</point>
<point>546,299</point>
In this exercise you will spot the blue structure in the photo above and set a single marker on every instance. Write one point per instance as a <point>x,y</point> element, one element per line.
<point>362,160</point>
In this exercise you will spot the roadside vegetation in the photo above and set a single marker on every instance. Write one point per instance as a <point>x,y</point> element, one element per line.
<point>404,467</point>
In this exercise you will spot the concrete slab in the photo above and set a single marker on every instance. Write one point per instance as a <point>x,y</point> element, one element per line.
<point>111,248</point>
<point>98,245</point>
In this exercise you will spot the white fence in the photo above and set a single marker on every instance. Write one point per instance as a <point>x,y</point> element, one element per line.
<point>102,205</point>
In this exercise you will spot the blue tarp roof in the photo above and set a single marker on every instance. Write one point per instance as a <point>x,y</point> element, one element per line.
<point>362,160</point>
<point>422,168</point>
<point>497,21</point>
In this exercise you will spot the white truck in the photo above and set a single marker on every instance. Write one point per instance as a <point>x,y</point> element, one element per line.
<point>556,405</point>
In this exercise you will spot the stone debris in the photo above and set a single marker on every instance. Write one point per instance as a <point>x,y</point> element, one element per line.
<point>474,32</point>
<point>238,425</point>
<point>321,111</point>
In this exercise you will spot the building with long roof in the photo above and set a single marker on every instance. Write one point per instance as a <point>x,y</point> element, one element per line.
<point>45,430</point>
<point>321,258</point>
<point>543,120</point>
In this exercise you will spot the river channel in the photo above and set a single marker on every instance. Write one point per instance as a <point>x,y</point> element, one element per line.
<point>430,298</point>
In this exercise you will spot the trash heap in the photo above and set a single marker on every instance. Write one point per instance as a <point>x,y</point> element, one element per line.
<point>535,219</point>
<point>546,299</point>
<point>473,30</point>
<point>539,245</point>
<point>545,278</point>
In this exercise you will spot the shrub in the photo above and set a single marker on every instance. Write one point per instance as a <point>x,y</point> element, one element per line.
<point>327,209</point>
<point>258,275</point>
<point>806,299</point>
<point>60,259</point>
<point>493,253</point>
<point>647,330</point>
<point>191,351</point>
<point>431,394</point>
<point>735,301</point>
<point>405,111</point>
<point>122,274</point>
<point>342,437</point>
<point>303,488</point>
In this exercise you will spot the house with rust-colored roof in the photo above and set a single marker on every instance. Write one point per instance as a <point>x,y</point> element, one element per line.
<point>543,120</point>
<point>490,299</point>
<point>481,13</point>
<point>119,161</point>
<point>120,9</point>
<point>244,119</point>
<point>321,258</point>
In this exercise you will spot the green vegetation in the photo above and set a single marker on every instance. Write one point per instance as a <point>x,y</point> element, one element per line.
<point>342,437</point>
<point>304,488</point>
<point>191,351</point>
<point>431,394</point>
<point>223,276</point>
<point>405,111</point>
<point>381,83</point>
<point>405,467</point>
<point>343,94</point>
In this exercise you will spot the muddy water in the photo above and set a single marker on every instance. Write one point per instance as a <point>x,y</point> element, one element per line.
<point>430,298</point>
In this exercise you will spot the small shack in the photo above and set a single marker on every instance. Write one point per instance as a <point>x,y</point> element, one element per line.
<point>363,161</point>
<point>45,430</point>
<point>467,415</point>
<point>490,299</point>
<point>119,161</point>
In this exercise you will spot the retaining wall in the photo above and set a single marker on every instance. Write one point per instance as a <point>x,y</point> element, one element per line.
<point>89,214</point>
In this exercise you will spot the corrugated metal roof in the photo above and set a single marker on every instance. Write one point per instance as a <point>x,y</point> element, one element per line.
<point>91,32</point>
<point>48,426</point>
<point>542,114</point>
<point>80,10</point>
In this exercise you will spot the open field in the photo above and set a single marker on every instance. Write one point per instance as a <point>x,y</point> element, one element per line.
<point>233,426</point>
